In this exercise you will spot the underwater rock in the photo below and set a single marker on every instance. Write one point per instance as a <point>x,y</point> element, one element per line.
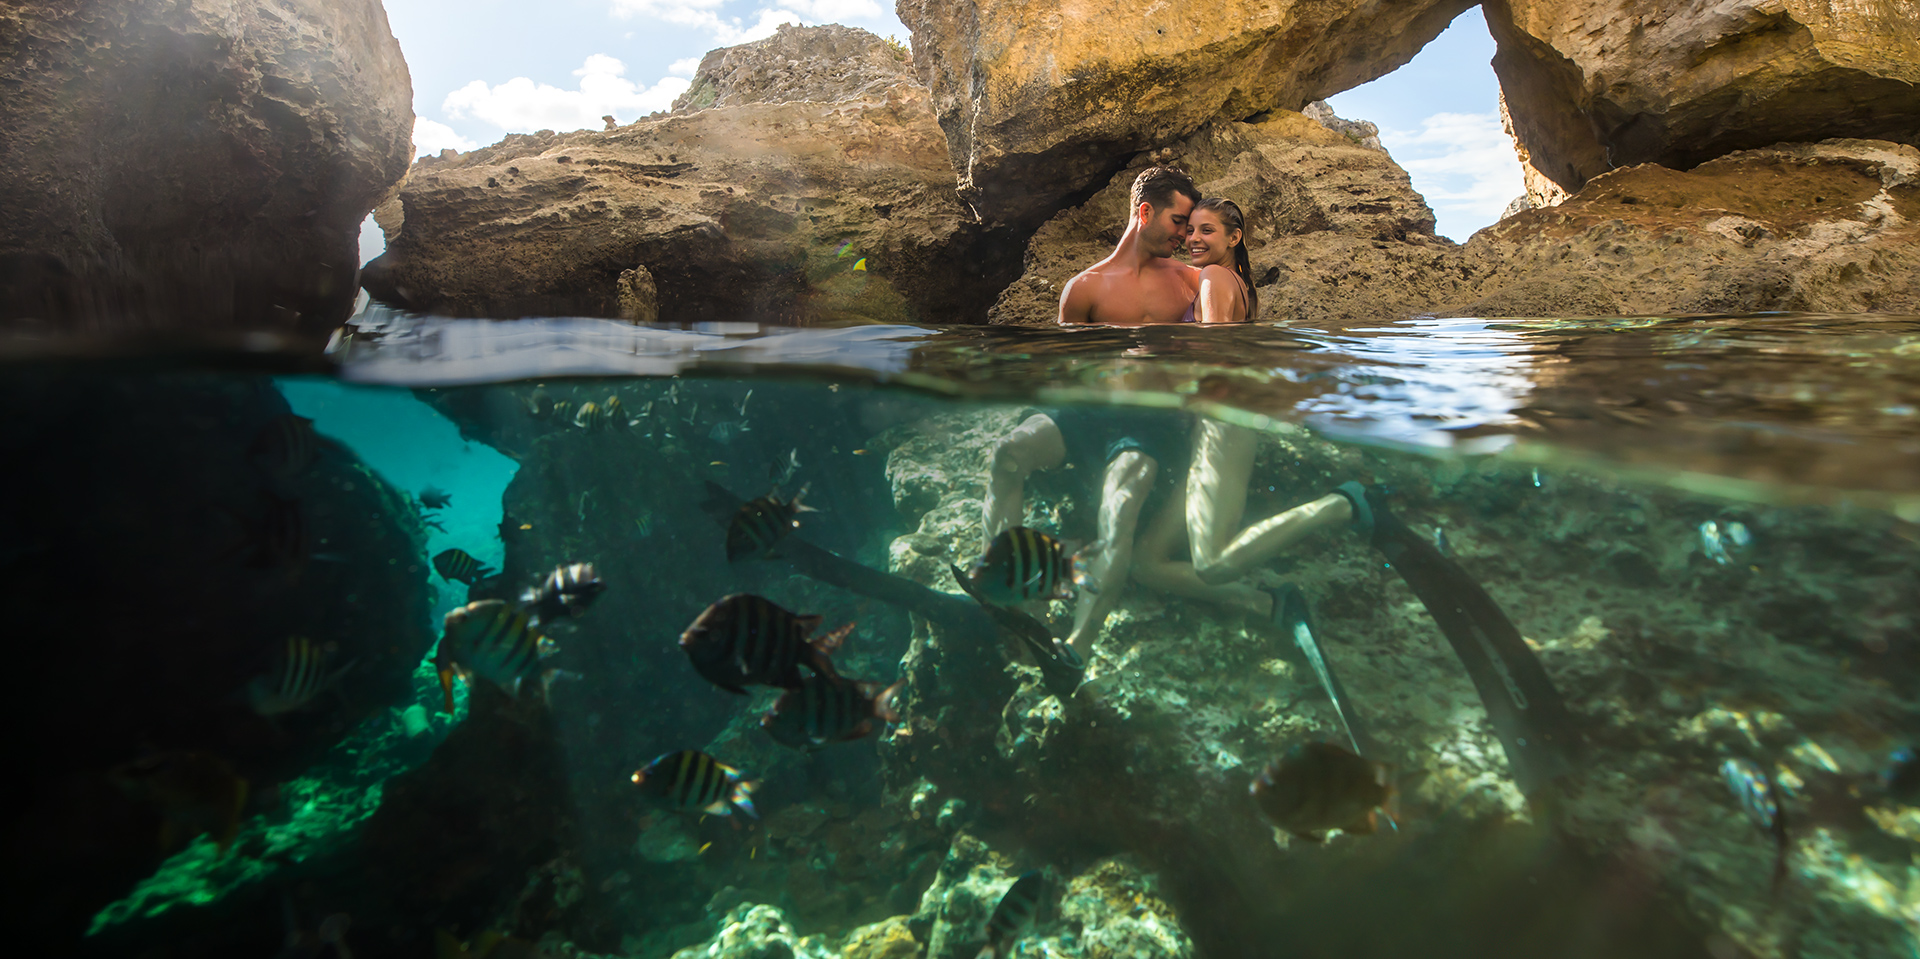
<point>824,64</point>
<point>1832,226</point>
<point>194,165</point>
<point>455,841</point>
<point>1671,660</point>
<point>1110,910</point>
<point>1598,86</point>
<point>146,567</point>
<point>1043,100</point>
<point>1335,229</point>
<point>758,932</point>
<point>791,211</point>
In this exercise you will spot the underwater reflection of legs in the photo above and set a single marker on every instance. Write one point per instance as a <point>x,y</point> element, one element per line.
<point>1123,490</point>
<point>1035,444</point>
<point>1217,499</point>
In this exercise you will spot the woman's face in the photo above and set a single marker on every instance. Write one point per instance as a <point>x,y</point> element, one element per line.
<point>1211,241</point>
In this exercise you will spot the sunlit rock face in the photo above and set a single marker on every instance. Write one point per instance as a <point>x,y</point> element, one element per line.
<point>1832,227</point>
<point>1594,85</point>
<point>787,211</point>
<point>825,63</point>
<point>198,163</point>
<point>1334,228</point>
<point>1043,99</point>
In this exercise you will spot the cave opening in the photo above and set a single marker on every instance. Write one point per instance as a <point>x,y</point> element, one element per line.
<point>1439,117</point>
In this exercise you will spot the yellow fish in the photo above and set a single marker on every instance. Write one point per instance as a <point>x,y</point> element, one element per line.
<point>860,264</point>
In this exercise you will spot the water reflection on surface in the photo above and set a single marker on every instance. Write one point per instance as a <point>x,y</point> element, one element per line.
<point>1770,407</point>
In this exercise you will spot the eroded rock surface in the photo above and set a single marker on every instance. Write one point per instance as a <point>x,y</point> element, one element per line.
<point>1335,230</point>
<point>1827,227</point>
<point>203,164</point>
<point>1595,85</point>
<point>825,63</point>
<point>1042,99</point>
<point>781,211</point>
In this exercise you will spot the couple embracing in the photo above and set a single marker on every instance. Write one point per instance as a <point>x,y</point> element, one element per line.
<point>1141,283</point>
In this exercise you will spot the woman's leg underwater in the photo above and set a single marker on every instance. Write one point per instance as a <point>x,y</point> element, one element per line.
<point>1217,499</point>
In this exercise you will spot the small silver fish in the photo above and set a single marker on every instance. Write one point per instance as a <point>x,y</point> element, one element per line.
<point>1737,534</point>
<point>1440,541</point>
<point>1713,544</point>
<point>743,402</point>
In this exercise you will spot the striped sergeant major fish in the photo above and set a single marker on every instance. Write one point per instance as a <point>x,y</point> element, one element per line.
<point>1759,798</point>
<point>285,447</point>
<point>690,779</point>
<point>1318,787</point>
<point>457,565</point>
<point>760,524</point>
<point>596,416</point>
<point>1014,916</point>
<point>300,676</point>
<point>567,591</point>
<point>1023,564</point>
<point>828,709</point>
<point>495,641</point>
<point>746,639</point>
<point>1061,669</point>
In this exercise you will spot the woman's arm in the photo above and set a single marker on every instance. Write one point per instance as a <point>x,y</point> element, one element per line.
<point>1221,300</point>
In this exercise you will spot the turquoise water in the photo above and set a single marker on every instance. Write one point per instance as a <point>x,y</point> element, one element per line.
<point>412,447</point>
<point>1606,558</point>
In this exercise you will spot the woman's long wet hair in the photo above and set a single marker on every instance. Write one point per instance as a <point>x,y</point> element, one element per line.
<point>1231,218</point>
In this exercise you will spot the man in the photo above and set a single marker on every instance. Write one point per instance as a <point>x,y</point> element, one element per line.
<point>1140,284</point>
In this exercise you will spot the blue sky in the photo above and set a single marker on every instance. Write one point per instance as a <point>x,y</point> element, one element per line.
<point>485,68</point>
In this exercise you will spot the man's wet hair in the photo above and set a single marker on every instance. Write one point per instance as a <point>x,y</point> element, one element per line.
<point>1158,184</point>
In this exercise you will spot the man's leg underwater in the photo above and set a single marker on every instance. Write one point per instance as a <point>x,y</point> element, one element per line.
<point>1123,491</point>
<point>1035,444</point>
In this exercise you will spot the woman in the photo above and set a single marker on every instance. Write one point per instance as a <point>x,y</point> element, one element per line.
<point>1224,278</point>
<point>1222,462</point>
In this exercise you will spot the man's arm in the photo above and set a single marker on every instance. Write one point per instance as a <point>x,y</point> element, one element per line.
<point>1076,301</point>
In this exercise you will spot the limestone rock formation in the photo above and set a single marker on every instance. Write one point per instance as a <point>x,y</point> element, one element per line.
<point>198,163</point>
<point>825,63</point>
<point>1602,84</point>
<point>1832,227</point>
<point>1041,99</point>
<point>780,211</point>
<point>1334,228</point>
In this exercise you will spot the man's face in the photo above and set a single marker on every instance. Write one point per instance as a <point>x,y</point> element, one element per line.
<point>1165,231</point>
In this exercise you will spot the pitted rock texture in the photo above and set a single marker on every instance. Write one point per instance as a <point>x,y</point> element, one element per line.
<point>783,212</point>
<point>824,64</point>
<point>1827,227</point>
<point>1334,228</point>
<point>1595,85</point>
<point>204,163</point>
<point>1041,99</point>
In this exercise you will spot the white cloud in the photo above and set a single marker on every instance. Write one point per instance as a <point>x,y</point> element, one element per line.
<point>727,31</point>
<point>522,106</point>
<point>684,68</point>
<point>430,137</point>
<point>835,11</point>
<point>1463,163</point>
